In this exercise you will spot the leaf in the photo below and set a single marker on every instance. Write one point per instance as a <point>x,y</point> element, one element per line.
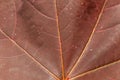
<point>59,39</point>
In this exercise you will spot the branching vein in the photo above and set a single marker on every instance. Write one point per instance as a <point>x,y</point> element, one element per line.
<point>76,63</point>
<point>29,55</point>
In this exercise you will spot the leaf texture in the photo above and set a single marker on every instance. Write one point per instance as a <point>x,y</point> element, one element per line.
<point>59,39</point>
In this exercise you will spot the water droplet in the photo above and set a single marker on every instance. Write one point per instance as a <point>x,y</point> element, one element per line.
<point>1,65</point>
<point>66,9</point>
<point>82,3</point>
<point>33,1</point>
<point>33,26</point>
<point>71,14</point>
<point>101,27</point>
<point>76,47</point>
<point>12,15</point>
<point>70,8</point>
<point>70,31</point>
<point>4,18</point>
<point>91,49</point>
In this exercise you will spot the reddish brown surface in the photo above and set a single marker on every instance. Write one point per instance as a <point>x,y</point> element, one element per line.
<point>59,39</point>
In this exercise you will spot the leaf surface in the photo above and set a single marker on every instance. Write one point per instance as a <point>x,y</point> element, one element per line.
<point>59,39</point>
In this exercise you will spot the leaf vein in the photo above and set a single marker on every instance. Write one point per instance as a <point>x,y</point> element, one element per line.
<point>94,70</point>
<point>39,11</point>
<point>77,61</point>
<point>29,55</point>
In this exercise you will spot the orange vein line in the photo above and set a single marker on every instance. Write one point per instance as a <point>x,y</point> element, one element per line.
<point>60,42</point>
<point>29,55</point>
<point>76,63</point>
<point>94,70</point>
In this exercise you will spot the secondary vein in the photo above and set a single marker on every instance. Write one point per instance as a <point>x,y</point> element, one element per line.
<point>89,40</point>
<point>29,55</point>
<point>94,70</point>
